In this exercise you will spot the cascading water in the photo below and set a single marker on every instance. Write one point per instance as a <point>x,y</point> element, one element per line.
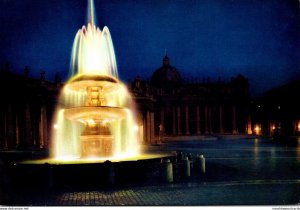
<point>94,118</point>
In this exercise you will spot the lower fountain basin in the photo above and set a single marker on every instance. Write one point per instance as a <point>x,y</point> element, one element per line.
<point>69,161</point>
<point>88,173</point>
<point>97,113</point>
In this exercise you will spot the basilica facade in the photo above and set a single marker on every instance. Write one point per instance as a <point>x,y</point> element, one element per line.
<point>167,106</point>
<point>170,106</point>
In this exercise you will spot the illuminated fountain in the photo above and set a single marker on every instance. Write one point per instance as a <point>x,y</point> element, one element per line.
<point>94,123</point>
<point>94,135</point>
<point>94,116</point>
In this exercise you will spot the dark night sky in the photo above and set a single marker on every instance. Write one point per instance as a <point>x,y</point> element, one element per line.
<point>259,39</point>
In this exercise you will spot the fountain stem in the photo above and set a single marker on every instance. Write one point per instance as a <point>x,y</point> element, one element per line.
<point>91,18</point>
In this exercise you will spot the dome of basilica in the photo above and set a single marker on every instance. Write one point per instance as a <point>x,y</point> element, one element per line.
<point>166,75</point>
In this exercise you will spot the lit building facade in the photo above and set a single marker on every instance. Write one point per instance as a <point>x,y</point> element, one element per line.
<point>169,106</point>
<point>166,106</point>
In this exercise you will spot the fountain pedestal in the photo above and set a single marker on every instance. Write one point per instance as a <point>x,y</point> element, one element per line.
<point>96,146</point>
<point>96,141</point>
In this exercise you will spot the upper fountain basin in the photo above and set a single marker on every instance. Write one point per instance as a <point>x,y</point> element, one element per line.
<point>80,82</point>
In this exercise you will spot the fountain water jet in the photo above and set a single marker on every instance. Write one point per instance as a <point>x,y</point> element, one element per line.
<point>94,117</point>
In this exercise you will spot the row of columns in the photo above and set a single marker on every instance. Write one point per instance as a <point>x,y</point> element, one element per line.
<point>43,125</point>
<point>25,127</point>
<point>149,127</point>
<point>176,117</point>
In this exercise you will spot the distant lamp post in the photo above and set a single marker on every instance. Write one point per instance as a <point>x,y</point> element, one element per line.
<point>298,128</point>
<point>249,126</point>
<point>257,129</point>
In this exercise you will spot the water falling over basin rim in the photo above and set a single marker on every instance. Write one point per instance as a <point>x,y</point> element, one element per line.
<point>97,113</point>
<point>94,77</point>
<point>108,83</point>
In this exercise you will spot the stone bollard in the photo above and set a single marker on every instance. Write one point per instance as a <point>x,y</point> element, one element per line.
<point>186,167</point>
<point>167,171</point>
<point>190,157</point>
<point>110,172</point>
<point>201,163</point>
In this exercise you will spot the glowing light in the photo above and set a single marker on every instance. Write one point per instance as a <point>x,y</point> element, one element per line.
<point>94,117</point>
<point>55,126</point>
<point>90,122</point>
<point>66,158</point>
<point>93,52</point>
<point>104,122</point>
<point>76,160</point>
<point>257,129</point>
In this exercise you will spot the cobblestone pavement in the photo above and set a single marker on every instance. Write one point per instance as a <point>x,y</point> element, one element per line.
<point>244,172</point>
<point>216,193</point>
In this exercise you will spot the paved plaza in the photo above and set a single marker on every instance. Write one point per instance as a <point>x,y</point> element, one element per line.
<point>218,193</point>
<point>238,172</point>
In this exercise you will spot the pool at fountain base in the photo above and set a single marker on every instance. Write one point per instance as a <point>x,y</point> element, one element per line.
<point>45,173</point>
<point>69,161</point>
